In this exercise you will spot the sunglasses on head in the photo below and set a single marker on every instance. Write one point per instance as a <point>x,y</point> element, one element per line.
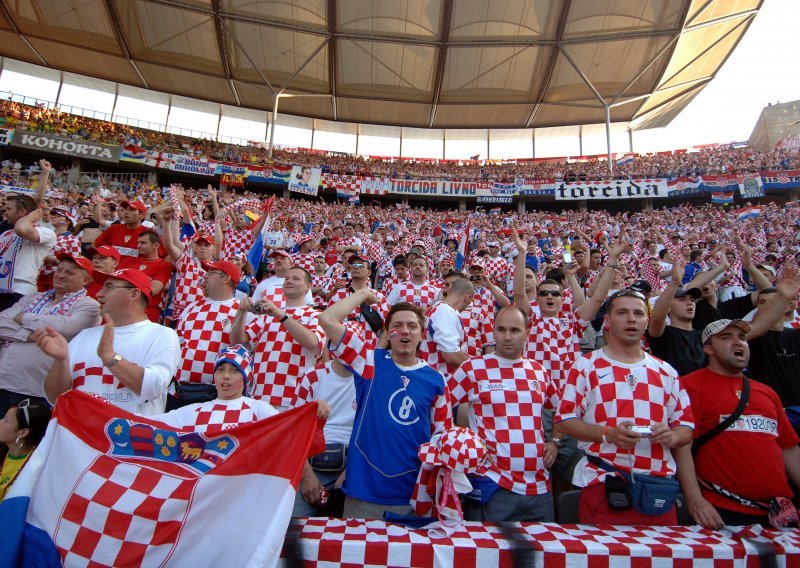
<point>627,292</point>
<point>358,265</point>
<point>553,293</point>
<point>23,406</point>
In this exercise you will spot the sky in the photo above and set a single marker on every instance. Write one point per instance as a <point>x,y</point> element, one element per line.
<point>763,69</point>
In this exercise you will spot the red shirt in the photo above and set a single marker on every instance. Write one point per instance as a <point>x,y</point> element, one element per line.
<point>157,269</point>
<point>746,458</point>
<point>123,239</point>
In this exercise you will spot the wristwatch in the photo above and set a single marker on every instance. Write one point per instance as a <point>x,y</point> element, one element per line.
<point>558,442</point>
<point>114,360</point>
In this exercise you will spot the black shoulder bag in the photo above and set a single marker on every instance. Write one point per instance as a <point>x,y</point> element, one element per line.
<point>722,426</point>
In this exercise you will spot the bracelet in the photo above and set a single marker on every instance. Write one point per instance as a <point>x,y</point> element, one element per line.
<point>284,318</point>
<point>605,432</point>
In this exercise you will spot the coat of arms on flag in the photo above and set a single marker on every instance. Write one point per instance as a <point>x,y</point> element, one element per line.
<point>108,488</point>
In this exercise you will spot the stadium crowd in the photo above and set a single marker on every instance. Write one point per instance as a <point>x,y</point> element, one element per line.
<point>719,159</point>
<point>583,349</point>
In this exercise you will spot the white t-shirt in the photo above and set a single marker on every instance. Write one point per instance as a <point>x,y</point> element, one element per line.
<point>323,383</point>
<point>444,334</point>
<point>147,344</point>
<point>269,286</point>
<point>217,415</point>
<point>25,257</point>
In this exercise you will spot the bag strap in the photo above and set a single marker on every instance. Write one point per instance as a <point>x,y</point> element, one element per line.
<point>722,426</point>
<point>744,501</point>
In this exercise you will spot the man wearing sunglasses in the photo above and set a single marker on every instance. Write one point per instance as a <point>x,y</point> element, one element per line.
<point>554,338</point>
<point>359,278</point>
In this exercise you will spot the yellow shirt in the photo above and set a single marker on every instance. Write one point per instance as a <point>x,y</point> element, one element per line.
<point>11,468</point>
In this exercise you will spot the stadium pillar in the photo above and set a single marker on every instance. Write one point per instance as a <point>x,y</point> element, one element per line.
<point>647,205</point>
<point>521,207</point>
<point>272,128</point>
<point>462,205</point>
<point>286,193</point>
<point>608,137</point>
<point>582,205</point>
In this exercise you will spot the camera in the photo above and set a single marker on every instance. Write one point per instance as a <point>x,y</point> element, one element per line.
<point>567,257</point>
<point>475,278</point>
<point>258,308</point>
<point>645,431</point>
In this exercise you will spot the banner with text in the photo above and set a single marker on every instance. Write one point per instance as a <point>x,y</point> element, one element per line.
<point>452,188</point>
<point>611,189</point>
<point>44,142</point>
<point>541,187</point>
<point>5,136</point>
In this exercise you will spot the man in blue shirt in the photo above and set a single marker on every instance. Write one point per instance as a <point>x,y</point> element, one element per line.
<point>401,403</point>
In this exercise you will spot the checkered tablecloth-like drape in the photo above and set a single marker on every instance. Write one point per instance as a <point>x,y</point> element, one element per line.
<point>333,543</point>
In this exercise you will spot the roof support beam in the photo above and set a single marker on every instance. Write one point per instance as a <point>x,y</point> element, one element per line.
<point>223,55</point>
<point>332,54</point>
<point>246,56</point>
<point>113,18</point>
<point>657,56</point>
<point>444,34</point>
<point>16,30</point>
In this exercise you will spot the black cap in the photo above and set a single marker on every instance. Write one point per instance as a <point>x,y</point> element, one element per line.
<point>695,293</point>
<point>642,286</point>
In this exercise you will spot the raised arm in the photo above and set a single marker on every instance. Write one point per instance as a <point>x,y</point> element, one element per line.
<point>603,283</point>
<point>331,319</point>
<point>788,287</point>
<point>170,237</point>
<point>44,180</point>
<point>702,278</point>
<point>520,296</point>
<point>658,318</point>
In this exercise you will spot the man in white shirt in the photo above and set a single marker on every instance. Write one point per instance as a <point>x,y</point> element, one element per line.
<point>22,249</point>
<point>130,361</point>
<point>272,287</point>
<point>443,346</point>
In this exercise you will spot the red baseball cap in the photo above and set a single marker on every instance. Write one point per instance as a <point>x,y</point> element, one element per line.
<point>138,205</point>
<point>205,237</point>
<point>105,250</point>
<point>225,266</point>
<point>139,279</point>
<point>280,252</point>
<point>81,261</point>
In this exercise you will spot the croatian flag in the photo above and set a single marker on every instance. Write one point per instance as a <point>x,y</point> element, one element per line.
<point>749,213</point>
<point>110,488</point>
<point>626,159</point>
<point>256,252</point>
<point>463,247</point>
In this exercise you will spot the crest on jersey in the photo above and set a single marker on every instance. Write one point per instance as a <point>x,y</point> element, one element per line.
<point>630,378</point>
<point>127,238</point>
<point>738,394</point>
<point>405,380</point>
<point>142,266</point>
<point>536,386</point>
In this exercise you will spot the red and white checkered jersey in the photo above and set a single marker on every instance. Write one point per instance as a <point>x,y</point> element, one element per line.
<point>430,245</point>
<point>187,283</point>
<point>444,333</point>
<point>553,342</point>
<point>65,244</point>
<point>385,266</point>
<point>382,306</point>
<point>478,330</point>
<point>279,359</point>
<point>351,242</point>
<point>304,260</point>
<point>483,298</point>
<point>373,249</point>
<point>599,390</point>
<point>217,415</point>
<point>423,295</point>
<point>204,330</point>
<point>497,269</point>
<point>234,240</point>
<point>325,284</point>
<point>389,284</point>
<point>354,353</point>
<point>506,401</point>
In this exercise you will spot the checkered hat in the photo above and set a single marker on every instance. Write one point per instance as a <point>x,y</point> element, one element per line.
<point>239,357</point>
<point>458,449</point>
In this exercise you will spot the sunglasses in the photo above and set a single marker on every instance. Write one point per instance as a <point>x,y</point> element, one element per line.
<point>553,293</point>
<point>358,265</point>
<point>23,406</point>
<point>627,292</point>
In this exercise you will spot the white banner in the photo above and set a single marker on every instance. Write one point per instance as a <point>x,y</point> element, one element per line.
<point>611,189</point>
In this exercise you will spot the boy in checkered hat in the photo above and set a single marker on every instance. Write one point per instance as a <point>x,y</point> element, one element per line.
<point>232,406</point>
